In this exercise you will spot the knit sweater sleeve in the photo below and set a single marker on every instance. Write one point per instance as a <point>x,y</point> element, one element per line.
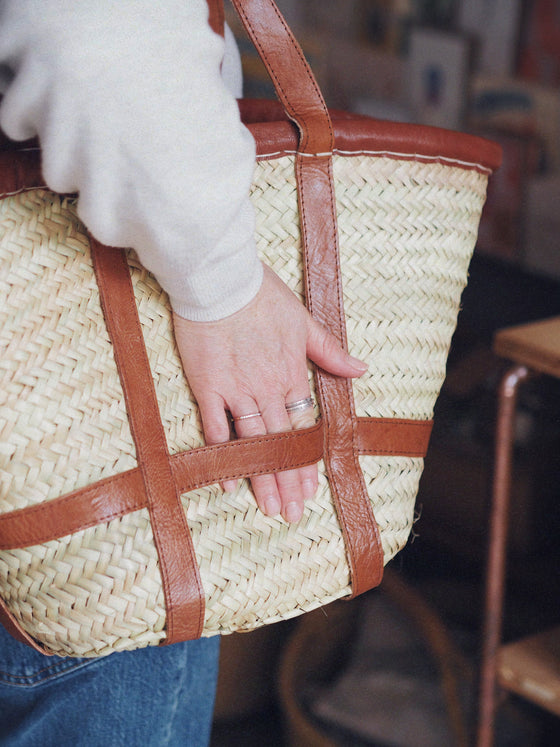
<point>132,112</point>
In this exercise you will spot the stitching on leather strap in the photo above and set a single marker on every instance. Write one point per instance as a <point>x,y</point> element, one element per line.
<point>272,72</point>
<point>180,576</point>
<point>299,70</point>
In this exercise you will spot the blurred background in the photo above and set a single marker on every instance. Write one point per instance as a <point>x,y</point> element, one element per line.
<point>410,649</point>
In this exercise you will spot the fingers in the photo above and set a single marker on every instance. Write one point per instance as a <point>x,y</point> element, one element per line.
<point>290,483</point>
<point>216,426</point>
<point>255,360</point>
<point>283,492</point>
<point>264,486</point>
<point>303,416</point>
<point>324,350</point>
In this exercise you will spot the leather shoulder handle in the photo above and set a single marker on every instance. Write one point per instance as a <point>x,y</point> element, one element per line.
<point>289,71</point>
<point>216,16</point>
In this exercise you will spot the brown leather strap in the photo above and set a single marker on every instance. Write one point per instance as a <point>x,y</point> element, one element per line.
<point>20,171</point>
<point>182,587</point>
<point>247,457</point>
<point>393,436</point>
<point>324,297</point>
<point>302,100</point>
<point>96,504</point>
<point>216,16</point>
<point>298,91</point>
<point>120,495</point>
<point>293,80</point>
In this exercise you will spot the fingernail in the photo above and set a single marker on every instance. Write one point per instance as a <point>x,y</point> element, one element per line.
<point>272,506</point>
<point>358,364</point>
<point>293,512</point>
<point>308,489</point>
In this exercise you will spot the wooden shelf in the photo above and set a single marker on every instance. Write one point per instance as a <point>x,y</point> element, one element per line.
<point>531,668</point>
<point>536,345</point>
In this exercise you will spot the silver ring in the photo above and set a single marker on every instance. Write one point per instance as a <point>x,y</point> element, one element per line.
<point>246,417</point>
<point>301,404</point>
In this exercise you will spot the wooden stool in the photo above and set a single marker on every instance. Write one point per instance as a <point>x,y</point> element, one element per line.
<point>526,667</point>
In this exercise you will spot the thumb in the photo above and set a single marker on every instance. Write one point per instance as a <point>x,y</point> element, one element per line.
<point>324,349</point>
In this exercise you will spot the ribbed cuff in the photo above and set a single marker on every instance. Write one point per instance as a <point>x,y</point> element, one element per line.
<point>223,296</point>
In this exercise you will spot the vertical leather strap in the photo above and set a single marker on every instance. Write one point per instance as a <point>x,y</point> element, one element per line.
<point>324,297</point>
<point>300,95</point>
<point>293,81</point>
<point>182,587</point>
<point>216,16</point>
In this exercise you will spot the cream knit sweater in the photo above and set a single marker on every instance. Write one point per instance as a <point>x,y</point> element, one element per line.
<point>135,112</point>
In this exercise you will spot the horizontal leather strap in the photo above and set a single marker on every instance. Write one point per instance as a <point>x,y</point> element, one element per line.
<point>20,169</point>
<point>354,134</point>
<point>122,494</point>
<point>96,504</point>
<point>247,457</point>
<point>393,437</point>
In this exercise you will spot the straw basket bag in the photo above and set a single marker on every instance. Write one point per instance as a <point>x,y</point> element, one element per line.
<point>114,533</point>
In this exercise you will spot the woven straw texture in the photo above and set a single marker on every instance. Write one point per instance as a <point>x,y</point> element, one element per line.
<point>407,231</point>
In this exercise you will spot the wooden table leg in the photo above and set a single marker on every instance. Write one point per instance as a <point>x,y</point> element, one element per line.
<point>495,573</point>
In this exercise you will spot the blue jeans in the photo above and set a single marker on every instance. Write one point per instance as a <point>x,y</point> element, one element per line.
<point>153,696</point>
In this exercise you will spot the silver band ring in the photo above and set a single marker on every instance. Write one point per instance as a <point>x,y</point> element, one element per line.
<point>246,417</point>
<point>301,404</point>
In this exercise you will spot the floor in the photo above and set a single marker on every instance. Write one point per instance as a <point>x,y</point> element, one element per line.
<point>456,597</point>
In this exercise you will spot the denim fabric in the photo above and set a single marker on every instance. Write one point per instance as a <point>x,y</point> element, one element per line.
<point>150,697</point>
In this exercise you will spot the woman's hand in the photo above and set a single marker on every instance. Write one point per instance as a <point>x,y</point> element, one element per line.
<point>254,363</point>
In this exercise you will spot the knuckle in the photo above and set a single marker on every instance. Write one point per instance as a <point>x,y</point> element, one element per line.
<point>304,419</point>
<point>249,428</point>
<point>331,348</point>
<point>216,431</point>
